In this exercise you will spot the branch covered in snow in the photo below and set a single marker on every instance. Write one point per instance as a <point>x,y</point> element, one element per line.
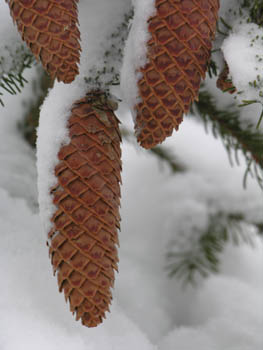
<point>226,124</point>
<point>202,253</point>
<point>239,45</point>
<point>107,75</point>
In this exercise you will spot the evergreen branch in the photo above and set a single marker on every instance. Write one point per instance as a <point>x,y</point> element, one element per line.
<point>260,120</point>
<point>29,123</point>
<point>13,80</point>
<point>203,257</point>
<point>260,228</point>
<point>162,153</point>
<point>226,124</point>
<point>228,26</point>
<point>109,75</point>
<point>165,155</point>
<point>212,68</point>
<point>255,10</point>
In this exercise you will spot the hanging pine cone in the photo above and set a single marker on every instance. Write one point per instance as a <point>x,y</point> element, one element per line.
<point>49,28</point>
<point>224,83</point>
<point>177,58</point>
<point>87,196</point>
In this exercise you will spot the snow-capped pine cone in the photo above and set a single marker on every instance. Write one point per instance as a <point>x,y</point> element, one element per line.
<point>177,58</point>
<point>87,197</point>
<point>50,29</point>
<point>224,83</point>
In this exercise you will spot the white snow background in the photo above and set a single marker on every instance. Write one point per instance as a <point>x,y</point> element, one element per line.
<point>150,311</point>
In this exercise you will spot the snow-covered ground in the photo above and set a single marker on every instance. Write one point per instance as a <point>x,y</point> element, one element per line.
<point>150,311</point>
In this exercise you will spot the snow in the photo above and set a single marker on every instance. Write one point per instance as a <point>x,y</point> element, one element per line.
<point>150,311</point>
<point>52,134</point>
<point>135,54</point>
<point>243,52</point>
<point>95,37</point>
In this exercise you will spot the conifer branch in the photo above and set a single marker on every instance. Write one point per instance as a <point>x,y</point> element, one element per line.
<point>109,75</point>
<point>162,153</point>
<point>255,10</point>
<point>212,68</point>
<point>166,156</point>
<point>30,121</point>
<point>203,257</point>
<point>227,125</point>
<point>13,80</point>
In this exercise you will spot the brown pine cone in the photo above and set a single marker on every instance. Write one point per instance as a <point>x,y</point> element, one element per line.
<point>87,196</point>
<point>50,29</point>
<point>224,83</point>
<point>178,55</point>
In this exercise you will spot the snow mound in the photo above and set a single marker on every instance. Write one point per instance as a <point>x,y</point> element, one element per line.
<point>243,52</point>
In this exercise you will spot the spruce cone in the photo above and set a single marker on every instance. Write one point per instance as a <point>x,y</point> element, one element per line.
<point>87,196</point>
<point>178,55</point>
<point>224,83</point>
<point>49,28</point>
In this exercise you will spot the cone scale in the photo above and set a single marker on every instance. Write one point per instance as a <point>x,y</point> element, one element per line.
<point>50,29</point>
<point>179,48</point>
<point>84,236</point>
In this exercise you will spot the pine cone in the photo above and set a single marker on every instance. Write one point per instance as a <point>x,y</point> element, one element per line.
<point>87,196</point>
<point>49,28</point>
<point>178,55</point>
<point>224,83</point>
